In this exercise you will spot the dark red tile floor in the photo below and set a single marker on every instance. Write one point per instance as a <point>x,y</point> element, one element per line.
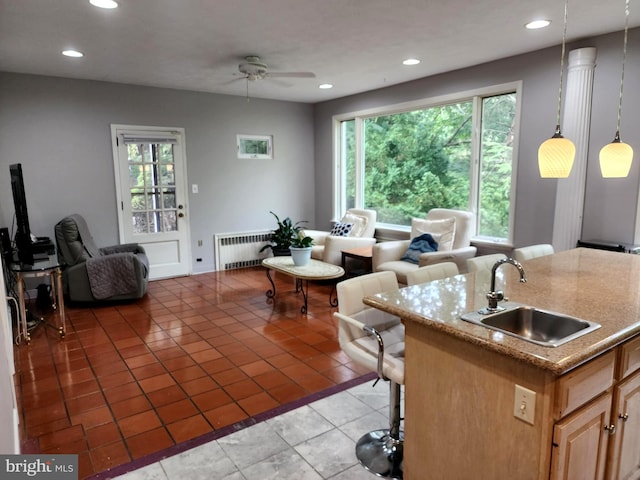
<point>195,355</point>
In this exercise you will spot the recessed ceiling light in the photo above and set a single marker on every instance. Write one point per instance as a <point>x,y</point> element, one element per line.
<point>411,61</point>
<point>104,3</point>
<point>72,53</point>
<point>538,24</point>
<point>325,86</point>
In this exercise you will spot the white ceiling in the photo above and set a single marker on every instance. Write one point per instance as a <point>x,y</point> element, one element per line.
<point>357,45</point>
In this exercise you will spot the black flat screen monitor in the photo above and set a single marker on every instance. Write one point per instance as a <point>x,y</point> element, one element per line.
<point>23,232</point>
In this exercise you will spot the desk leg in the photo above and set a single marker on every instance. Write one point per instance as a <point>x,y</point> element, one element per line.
<point>22,321</point>
<point>59,296</point>
<point>271,293</point>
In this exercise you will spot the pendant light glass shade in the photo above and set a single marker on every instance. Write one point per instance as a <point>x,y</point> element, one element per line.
<point>616,157</point>
<point>556,155</point>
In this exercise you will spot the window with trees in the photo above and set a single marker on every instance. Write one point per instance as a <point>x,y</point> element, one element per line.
<point>451,152</point>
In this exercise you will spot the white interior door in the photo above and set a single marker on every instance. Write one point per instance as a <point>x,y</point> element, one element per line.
<point>150,172</point>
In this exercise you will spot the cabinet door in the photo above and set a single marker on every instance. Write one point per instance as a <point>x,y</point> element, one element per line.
<point>580,442</point>
<point>624,457</point>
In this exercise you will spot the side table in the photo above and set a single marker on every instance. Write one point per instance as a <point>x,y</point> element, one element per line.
<point>40,268</point>
<point>364,258</point>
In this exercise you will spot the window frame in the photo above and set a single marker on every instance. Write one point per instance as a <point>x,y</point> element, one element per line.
<point>267,140</point>
<point>476,96</point>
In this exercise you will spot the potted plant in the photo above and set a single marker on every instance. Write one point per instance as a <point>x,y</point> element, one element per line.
<point>301,248</point>
<point>282,237</point>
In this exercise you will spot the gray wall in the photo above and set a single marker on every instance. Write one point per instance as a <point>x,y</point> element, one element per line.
<point>59,129</point>
<point>610,205</point>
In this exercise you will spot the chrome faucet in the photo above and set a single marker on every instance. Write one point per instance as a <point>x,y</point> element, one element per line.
<point>494,297</point>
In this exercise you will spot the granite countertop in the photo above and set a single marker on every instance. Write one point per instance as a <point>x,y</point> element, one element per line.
<point>595,285</point>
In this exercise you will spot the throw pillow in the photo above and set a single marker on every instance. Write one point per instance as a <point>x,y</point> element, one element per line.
<point>359,224</point>
<point>341,229</point>
<point>443,231</point>
<point>421,244</point>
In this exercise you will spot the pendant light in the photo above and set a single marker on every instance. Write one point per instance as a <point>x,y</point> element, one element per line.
<point>555,156</point>
<point>616,157</point>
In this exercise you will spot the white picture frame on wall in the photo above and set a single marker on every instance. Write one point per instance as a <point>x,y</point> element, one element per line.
<point>255,146</point>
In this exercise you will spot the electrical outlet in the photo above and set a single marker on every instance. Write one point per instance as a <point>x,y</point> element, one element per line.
<point>194,188</point>
<point>524,405</point>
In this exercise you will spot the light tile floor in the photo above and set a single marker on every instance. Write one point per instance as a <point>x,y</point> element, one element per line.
<point>312,442</point>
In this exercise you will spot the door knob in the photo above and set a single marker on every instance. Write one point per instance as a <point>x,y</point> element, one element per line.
<point>180,215</point>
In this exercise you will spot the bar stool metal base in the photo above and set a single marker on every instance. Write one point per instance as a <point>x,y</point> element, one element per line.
<point>381,454</point>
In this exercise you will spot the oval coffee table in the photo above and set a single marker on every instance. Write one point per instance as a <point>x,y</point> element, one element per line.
<point>314,270</point>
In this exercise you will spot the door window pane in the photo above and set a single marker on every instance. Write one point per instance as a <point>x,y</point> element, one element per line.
<point>167,175</point>
<point>136,175</point>
<point>138,200</point>
<point>169,198</point>
<point>166,153</point>
<point>140,222</point>
<point>152,187</point>
<point>169,221</point>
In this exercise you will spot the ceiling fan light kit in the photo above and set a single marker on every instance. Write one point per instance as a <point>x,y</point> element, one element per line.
<point>253,69</point>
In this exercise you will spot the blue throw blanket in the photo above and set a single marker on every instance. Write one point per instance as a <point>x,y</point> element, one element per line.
<point>423,243</point>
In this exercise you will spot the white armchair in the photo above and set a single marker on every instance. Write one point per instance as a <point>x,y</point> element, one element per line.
<point>328,248</point>
<point>454,245</point>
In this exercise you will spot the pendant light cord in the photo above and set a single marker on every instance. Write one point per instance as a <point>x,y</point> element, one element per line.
<point>624,58</point>
<point>564,37</point>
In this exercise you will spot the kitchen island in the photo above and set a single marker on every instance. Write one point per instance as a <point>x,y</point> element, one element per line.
<point>463,418</point>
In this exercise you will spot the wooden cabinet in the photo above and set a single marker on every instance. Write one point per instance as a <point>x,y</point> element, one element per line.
<point>580,442</point>
<point>602,438</point>
<point>624,451</point>
<point>585,383</point>
<point>581,432</point>
<point>610,424</point>
<point>586,424</point>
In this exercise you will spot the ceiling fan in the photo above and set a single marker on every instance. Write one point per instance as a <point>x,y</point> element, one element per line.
<point>253,69</point>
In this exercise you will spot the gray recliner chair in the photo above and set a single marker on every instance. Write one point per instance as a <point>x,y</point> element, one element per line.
<point>89,273</point>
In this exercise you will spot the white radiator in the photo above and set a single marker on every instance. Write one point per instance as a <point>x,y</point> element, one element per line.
<point>240,249</point>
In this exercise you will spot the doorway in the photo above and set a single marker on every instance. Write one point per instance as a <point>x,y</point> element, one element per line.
<point>150,173</point>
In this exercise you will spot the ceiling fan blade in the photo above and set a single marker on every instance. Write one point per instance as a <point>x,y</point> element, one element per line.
<point>281,83</point>
<point>291,74</point>
<point>233,80</point>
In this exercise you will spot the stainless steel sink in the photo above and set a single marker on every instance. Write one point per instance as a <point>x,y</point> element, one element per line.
<point>542,327</point>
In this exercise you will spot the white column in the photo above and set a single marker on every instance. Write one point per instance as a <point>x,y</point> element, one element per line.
<point>576,120</point>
